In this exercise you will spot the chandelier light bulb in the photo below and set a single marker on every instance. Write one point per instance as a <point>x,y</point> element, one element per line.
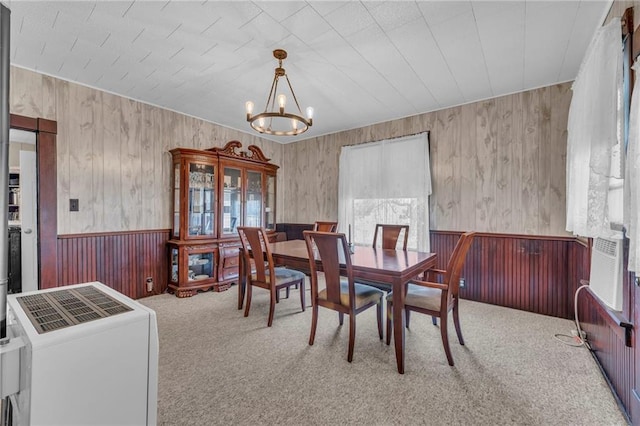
<point>282,101</point>
<point>249,107</point>
<point>261,122</point>
<point>294,124</point>
<point>309,113</point>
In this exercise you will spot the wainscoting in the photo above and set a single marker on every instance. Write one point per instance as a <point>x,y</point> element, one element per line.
<point>121,260</point>
<point>529,273</point>
<point>608,345</point>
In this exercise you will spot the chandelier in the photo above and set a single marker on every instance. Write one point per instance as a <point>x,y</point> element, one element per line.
<point>275,121</point>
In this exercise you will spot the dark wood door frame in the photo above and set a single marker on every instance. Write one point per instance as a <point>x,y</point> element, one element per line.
<point>46,133</point>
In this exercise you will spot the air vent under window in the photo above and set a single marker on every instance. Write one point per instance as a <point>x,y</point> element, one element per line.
<point>66,307</point>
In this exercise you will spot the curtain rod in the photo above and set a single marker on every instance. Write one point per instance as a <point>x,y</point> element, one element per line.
<point>390,139</point>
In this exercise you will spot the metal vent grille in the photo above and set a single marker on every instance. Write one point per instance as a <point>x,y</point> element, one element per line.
<point>607,247</point>
<point>104,302</point>
<point>66,307</point>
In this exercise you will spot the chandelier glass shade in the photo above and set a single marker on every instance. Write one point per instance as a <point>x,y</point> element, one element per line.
<point>274,120</point>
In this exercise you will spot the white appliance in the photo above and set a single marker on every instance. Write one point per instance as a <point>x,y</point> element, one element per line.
<point>90,358</point>
<point>605,279</point>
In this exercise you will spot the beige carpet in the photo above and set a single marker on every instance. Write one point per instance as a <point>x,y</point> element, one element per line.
<point>217,367</point>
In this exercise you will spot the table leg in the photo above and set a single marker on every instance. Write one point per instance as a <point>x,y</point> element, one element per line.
<point>398,323</point>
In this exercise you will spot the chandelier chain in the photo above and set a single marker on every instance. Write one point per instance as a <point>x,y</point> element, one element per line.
<point>293,94</point>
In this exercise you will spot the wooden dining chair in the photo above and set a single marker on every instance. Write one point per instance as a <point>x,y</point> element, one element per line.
<point>389,236</point>
<point>341,293</point>
<point>437,298</point>
<point>319,226</point>
<point>260,269</point>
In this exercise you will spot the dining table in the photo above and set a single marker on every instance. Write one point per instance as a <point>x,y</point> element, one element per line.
<point>394,268</point>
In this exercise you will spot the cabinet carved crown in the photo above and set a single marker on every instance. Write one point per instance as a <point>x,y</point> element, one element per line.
<point>233,149</point>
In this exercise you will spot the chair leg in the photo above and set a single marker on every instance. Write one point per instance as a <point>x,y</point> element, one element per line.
<point>379,312</point>
<point>407,317</point>
<point>248,305</point>
<point>445,339</point>
<point>287,292</point>
<point>314,324</point>
<point>434,320</point>
<point>242,289</point>
<point>341,318</point>
<point>278,295</point>
<point>456,323</point>
<point>272,306</point>
<point>389,316</point>
<point>352,335</point>
<point>302,301</point>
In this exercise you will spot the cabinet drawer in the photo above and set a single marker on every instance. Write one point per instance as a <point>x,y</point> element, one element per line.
<point>228,273</point>
<point>229,256</point>
<point>229,262</point>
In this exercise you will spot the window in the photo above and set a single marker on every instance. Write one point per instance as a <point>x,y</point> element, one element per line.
<point>386,182</point>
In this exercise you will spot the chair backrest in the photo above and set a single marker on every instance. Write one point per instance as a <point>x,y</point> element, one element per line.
<point>390,236</point>
<point>331,250</point>
<point>256,250</point>
<point>319,226</point>
<point>456,262</point>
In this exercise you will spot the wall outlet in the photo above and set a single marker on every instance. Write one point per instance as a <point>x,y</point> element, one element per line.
<point>74,205</point>
<point>149,284</point>
<point>463,283</point>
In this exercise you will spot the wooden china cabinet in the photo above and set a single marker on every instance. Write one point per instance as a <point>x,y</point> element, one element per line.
<point>215,191</point>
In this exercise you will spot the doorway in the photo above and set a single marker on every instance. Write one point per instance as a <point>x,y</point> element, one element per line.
<point>23,207</point>
<point>46,133</point>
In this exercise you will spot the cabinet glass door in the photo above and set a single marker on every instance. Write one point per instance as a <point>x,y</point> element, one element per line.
<point>270,204</point>
<point>201,199</point>
<point>176,200</point>
<point>174,265</point>
<point>201,266</point>
<point>254,198</point>
<point>232,202</point>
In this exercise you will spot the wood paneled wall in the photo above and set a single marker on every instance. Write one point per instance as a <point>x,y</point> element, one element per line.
<point>497,165</point>
<point>113,152</point>
<point>121,260</point>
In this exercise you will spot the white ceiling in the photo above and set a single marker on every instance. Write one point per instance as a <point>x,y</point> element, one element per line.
<point>355,62</point>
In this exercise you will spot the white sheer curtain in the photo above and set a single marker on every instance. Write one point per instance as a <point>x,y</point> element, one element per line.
<point>386,182</point>
<point>593,132</point>
<point>632,179</point>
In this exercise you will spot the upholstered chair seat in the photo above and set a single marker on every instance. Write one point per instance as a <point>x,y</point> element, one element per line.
<point>423,297</point>
<point>365,294</point>
<point>283,275</point>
